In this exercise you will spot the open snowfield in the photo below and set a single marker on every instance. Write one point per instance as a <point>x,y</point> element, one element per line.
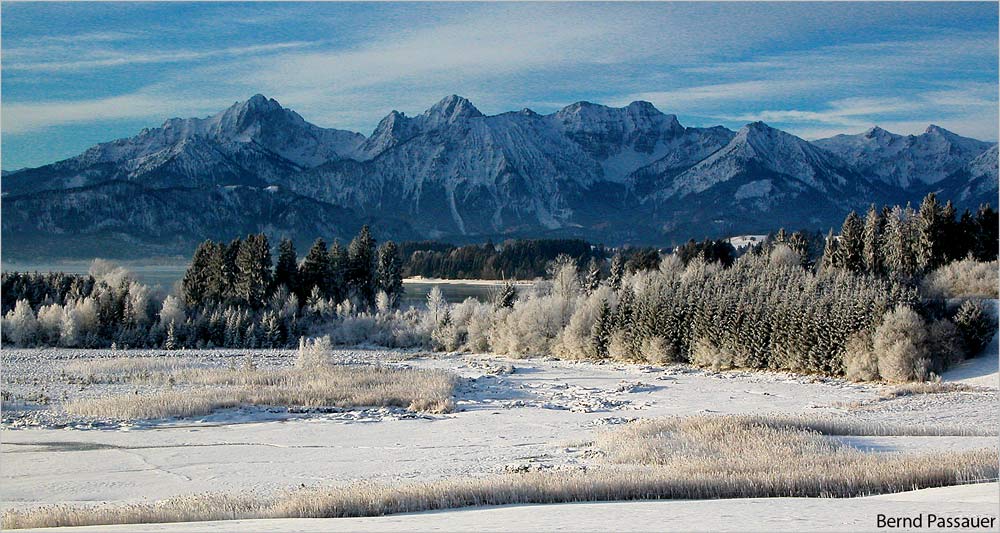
<point>511,415</point>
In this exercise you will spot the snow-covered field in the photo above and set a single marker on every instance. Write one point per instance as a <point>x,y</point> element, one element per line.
<point>512,415</point>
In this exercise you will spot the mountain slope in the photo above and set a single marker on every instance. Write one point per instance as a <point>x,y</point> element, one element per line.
<point>618,175</point>
<point>905,161</point>
<point>972,185</point>
<point>95,220</point>
<point>255,142</point>
<point>761,179</point>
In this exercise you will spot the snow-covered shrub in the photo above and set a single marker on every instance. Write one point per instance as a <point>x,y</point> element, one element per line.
<point>532,326</point>
<point>50,319</point>
<point>658,351</point>
<point>577,340</point>
<point>20,324</point>
<point>172,311</point>
<point>900,342</point>
<point>945,344</point>
<point>860,362</point>
<point>963,279</point>
<point>976,326</point>
<point>313,353</point>
<point>705,353</point>
<point>783,256</point>
<point>383,304</point>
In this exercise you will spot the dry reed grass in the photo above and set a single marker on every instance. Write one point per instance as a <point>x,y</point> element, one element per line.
<point>695,458</point>
<point>199,391</point>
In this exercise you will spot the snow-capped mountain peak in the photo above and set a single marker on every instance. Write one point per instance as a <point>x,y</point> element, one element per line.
<point>450,109</point>
<point>905,160</point>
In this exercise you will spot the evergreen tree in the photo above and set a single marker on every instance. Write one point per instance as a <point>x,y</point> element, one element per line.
<point>253,271</point>
<point>389,272</point>
<point>986,234</point>
<point>929,242</point>
<point>850,247</point>
<point>600,333</point>
<point>592,279</point>
<point>950,240</point>
<point>800,245</point>
<point>286,269</point>
<point>617,272</point>
<point>224,274</point>
<point>338,269</point>
<point>361,264</point>
<point>314,272</point>
<point>197,280</point>
<point>897,250</point>
<point>170,343</point>
<point>830,258</point>
<point>871,249</point>
<point>505,295</point>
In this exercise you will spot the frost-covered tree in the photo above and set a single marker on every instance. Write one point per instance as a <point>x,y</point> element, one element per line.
<point>617,272</point>
<point>504,296</point>
<point>170,342</point>
<point>850,245</point>
<point>975,325</point>
<point>436,304</point>
<point>564,276</point>
<point>20,324</point>
<point>592,279</point>
<point>930,233</point>
<point>900,342</point>
<point>871,248</point>
<point>600,333</point>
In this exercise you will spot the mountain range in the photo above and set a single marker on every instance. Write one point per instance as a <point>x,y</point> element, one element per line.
<point>614,175</point>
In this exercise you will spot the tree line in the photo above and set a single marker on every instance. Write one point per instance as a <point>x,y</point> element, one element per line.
<point>512,259</point>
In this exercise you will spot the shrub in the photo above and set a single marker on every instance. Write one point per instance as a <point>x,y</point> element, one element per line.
<point>900,343</point>
<point>945,344</point>
<point>706,354</point>
<point>860,362</point>
<point>313,353</point>
<point>963,279</point>
<point>975,326</point>
<point>658,351</point>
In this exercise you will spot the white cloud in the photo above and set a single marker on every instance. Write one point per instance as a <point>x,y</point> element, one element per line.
<point>26,117</point>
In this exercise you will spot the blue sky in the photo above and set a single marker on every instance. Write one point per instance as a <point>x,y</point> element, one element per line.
<point>78,74</point>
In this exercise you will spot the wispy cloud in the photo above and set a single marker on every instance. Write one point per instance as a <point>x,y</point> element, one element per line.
<point>28,117</point>
<point>95,59</point>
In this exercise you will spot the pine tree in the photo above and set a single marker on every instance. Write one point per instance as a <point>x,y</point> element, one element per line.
<point>830,257</point>
<point>929,230</point>
<point>271,326</point>
<point>592,279</point>
<point>389,272</point>
<point>337,258</point>
<point>286,269</point>
<point>170,343</point>
<point>949,226</point>
<point>197,280</point>
<point>600,333</point>
<point>986,233</point>
<point>505,295</point>
<point>253,271</point>
<point>360,267</point>
<point>800,245</point>
<point>850,247</point>
<point>871,249</point>
<point>314,272</point>
<point>617,272</point>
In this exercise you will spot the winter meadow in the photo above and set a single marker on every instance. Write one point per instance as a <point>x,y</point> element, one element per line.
<point>589,318</point>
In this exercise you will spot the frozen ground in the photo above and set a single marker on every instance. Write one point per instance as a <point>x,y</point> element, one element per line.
<point>513,414</point>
